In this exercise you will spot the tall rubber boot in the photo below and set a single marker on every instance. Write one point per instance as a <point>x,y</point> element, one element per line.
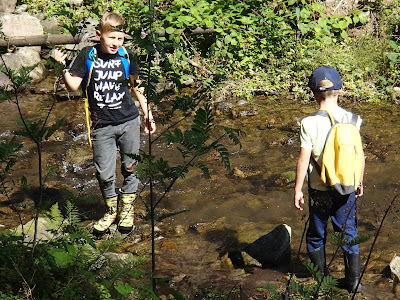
<point>102,225</point>
<point>352,265</point>
<point>318,258</point>
<point>126,216</point>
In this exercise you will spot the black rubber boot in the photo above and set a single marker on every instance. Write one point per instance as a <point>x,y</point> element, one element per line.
<point>352,270</point>
<point>318,258</point>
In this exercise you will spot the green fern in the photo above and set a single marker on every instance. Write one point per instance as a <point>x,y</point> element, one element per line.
<point>204,169</point>
<point>338,238</point>
<point>72,215</point>
<point>203,120</point>
<point>233,134</point>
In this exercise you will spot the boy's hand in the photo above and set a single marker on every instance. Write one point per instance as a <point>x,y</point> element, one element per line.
<point>152,125</point>
<point>360,191</point>
<point>60,57</point>
<point>298,200</point>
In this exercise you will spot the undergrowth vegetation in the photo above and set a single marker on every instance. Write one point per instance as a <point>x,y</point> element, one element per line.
<point>268,45</point>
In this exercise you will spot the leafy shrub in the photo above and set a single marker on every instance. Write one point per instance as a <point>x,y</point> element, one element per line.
<point>68,266</point>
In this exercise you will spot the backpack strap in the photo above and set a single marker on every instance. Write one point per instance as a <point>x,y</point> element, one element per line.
<point>325,113</point>
<point>89,66</point>
<point>123,53</point>
<point>355,119</point>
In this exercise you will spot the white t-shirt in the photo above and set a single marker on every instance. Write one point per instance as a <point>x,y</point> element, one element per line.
<point>313,133</point>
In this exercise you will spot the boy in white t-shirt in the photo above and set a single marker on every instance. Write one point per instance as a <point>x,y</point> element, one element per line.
<point>324,202</point>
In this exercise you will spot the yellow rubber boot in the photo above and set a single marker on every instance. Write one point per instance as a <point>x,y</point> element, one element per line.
<point>102,225</point>
<point>126,216</point>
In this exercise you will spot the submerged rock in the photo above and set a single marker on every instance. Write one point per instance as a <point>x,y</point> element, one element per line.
<point>43,230</point>
<point>285,178</point>
<point>272,249</point>
<point>395,268</point>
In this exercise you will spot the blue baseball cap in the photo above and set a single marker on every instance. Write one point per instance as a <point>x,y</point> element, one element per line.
<point>325,73</point>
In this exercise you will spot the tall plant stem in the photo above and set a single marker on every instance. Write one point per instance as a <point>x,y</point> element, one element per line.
<point>152,206</point>
<point>391,205</point>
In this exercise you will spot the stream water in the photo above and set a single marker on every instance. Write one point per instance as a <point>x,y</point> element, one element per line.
<point>239,206</point>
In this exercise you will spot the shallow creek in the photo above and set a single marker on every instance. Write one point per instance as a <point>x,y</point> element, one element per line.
<point>230,209</point>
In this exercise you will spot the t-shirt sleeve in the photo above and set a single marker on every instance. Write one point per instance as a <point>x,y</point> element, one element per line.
<point>133,63</point>
<point>78,67</point>
<point>305,137</point>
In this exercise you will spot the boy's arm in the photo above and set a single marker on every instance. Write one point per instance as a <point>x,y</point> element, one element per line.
<point>360,188</point>
<point>301,171</point>
<point>139,94</point>
<point>72,82</point>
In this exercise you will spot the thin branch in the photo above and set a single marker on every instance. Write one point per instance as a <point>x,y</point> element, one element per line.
<point>391,205</point>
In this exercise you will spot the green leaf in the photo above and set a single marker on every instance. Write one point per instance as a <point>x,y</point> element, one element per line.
<point>393,44</point>
<point>61,257</point>
<point>322,22</point>
<point>204,169</point>
<point>53,128</point>
<point>71,249</point>
<point>169,30</point>
<point>123,289</point>
<point>394,57</point>
<point>91,242</point>
<point>137,274</point>
<point>209,23</point>
<point>343,24</point>
<point>227,39</point>
<point>327,40</point>
<point>302,28</point>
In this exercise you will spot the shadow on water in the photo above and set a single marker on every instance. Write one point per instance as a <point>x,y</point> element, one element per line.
<point>242,205</point>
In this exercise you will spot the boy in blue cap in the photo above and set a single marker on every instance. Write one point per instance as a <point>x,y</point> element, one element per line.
<point>324,202</point>
<point>103,72</point>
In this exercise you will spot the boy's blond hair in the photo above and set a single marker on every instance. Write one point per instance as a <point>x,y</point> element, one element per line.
<point>111,22</point>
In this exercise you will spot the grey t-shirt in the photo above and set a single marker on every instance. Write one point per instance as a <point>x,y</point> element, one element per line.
<point>110,100</point>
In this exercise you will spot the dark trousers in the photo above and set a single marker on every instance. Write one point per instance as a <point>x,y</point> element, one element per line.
<point>341,209</point>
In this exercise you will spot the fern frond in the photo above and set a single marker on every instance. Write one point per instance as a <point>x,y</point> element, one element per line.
<point>224,154</point>
<point>359,239</point>
<point>72,214</point>
<point>203,168</point>
<point>55,215</point>
<point>233,134</point>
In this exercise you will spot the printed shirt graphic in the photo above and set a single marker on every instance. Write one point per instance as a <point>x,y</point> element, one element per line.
<point>110,100</point>
<point>108,89</point>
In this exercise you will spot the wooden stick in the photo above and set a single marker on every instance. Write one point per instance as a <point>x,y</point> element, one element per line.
<point>59,39</point>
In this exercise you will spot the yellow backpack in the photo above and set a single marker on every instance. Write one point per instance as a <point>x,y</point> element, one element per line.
<point>342,157</point>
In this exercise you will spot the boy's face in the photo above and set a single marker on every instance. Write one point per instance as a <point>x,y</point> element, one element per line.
<point>111,41</point>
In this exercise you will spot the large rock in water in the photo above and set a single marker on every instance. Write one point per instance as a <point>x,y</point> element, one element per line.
<point>17,25</point>
<point>395,268</point>
<point>7,6</point>
<point>272,249</point>
<point>20,25</point>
